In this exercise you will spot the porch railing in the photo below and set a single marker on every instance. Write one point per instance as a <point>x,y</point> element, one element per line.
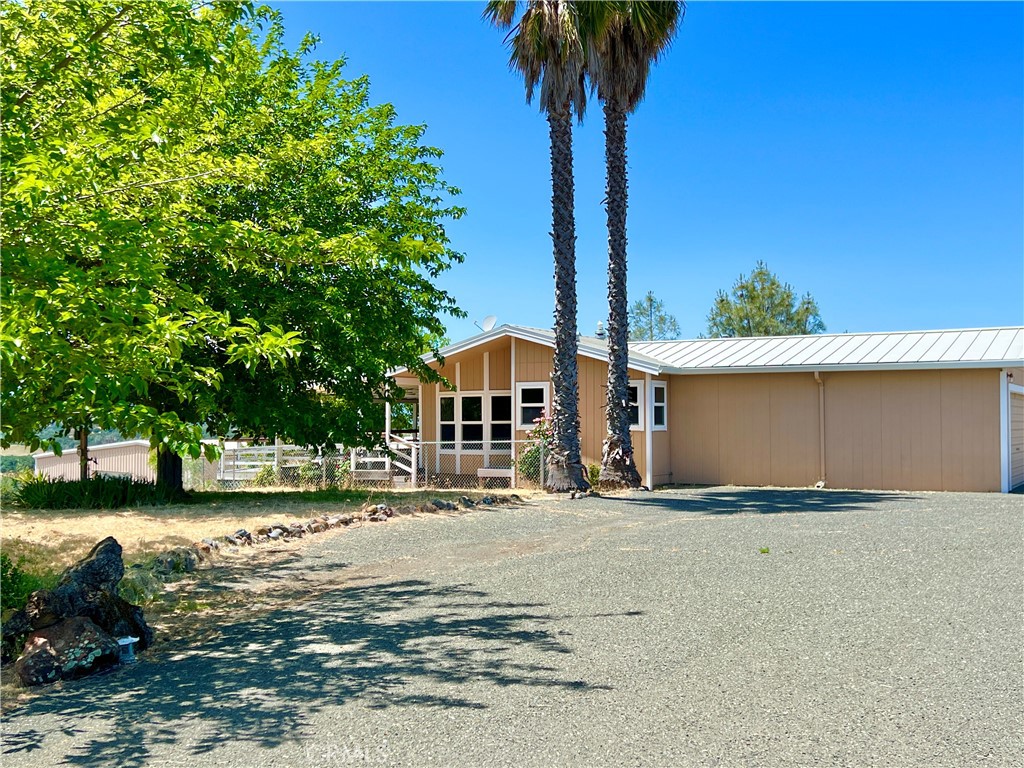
<point>403,464</point>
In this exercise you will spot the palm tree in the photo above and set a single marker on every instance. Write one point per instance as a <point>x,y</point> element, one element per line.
<point>547,49</point>
<point>627,42</point>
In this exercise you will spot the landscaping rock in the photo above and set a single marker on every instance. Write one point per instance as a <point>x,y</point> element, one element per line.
<point>102,568</point>
<point>275,534</point>
<point>442,504</point>
<point>71,648</point>
<point>78,595</point>
<point>139,585</point>
<point>466,501</point>
<point>488,500</point>
<point>179,560</point>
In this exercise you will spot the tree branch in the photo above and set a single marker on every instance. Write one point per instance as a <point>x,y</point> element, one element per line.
<point>159,183</point>
<point>98,34</point>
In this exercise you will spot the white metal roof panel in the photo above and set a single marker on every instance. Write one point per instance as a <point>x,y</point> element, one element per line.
<point>989,347</point>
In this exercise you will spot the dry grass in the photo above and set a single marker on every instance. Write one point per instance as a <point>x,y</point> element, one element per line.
<point>47,540</point>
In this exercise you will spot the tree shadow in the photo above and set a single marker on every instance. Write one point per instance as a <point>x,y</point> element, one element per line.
<point>257,680</point>
<point>766,501</point>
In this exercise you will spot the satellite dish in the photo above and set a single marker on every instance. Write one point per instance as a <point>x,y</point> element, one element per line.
<point>489,322</point>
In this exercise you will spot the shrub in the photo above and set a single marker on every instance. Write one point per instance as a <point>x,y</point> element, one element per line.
<point>99,492</point>
<point>310,475</point>
<point>593,474</point>
<point>265,477</point>
<point>16,585</point>
<point>532,459</point>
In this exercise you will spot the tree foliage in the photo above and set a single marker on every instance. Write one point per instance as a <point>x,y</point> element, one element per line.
<point>648,320</point>
<point>762,305</point>
<point>202,228</point>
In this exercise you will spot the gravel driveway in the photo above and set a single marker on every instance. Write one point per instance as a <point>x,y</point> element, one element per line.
<point>715,627</point>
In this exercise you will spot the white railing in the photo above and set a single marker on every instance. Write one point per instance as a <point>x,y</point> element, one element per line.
<point>403,463</point>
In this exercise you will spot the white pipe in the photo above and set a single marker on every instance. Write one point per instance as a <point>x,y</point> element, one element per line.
<point>821,426</point>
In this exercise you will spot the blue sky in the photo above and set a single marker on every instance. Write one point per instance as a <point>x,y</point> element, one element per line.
<point>871,153</point>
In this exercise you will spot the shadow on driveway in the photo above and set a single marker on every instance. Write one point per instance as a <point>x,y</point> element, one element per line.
<point>762,501</point>
<point>258,679</point>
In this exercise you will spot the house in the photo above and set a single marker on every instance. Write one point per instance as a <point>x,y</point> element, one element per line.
<point>923,410</point>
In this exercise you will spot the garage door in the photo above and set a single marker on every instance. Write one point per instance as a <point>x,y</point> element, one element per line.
<point>1016,440</point>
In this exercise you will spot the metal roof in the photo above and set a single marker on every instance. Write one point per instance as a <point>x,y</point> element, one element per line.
<point>962,348</point>
<point>901,350</point>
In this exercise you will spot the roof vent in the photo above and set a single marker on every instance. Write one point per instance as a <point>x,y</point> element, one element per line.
<point>600,330</point>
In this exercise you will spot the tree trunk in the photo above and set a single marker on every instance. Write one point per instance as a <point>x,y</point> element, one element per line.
<point>83,454</point>
<point>169,471</point>
<point>618,469</point>
<point>565,470</point>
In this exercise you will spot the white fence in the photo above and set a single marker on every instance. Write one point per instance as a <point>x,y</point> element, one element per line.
<point>404,464</point>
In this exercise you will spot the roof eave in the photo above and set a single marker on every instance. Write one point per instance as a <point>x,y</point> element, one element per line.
<point>922,366</point>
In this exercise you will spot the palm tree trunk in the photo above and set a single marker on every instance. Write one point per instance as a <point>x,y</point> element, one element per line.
<point>618,469</point>
<point>565,470</point>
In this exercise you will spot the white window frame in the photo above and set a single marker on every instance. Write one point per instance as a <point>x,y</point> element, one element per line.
<point>639,384</point>
<point>457,444</point>
<point>441,442</point>
<point>518,404</point>
<point>491,440</point>
<point>655,386</point>
<point>461,422</point>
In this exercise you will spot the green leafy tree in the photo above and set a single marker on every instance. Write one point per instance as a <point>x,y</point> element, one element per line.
<point>762,305</point>
<point>648,320</point>
<point>266,206</point>
<point>366,203</point>
<point>628,40</point>
<point>547,50</point>
<point>109,116</point>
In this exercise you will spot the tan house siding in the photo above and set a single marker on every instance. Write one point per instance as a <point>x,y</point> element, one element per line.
<point>795,429</point>
<point>899,430</point>
<point>970,452</point>
<point>853,429</point>
<point>693,429</point>
<point>913,430</point>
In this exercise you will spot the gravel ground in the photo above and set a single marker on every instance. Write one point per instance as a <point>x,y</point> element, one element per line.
<point>714,627</point>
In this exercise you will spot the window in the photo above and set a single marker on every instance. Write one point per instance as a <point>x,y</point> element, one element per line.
<point>635,405</point>
<point>532,402</point>
<point>472,422</point>
<point>501,422</point>
<point>446,410</point>
<point>475,422</point>
<point>659,406</point>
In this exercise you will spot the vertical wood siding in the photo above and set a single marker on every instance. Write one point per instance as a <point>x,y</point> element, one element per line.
<point>898,430</point>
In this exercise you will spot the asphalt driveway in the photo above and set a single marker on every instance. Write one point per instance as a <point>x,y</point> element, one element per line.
<point>719,627</point>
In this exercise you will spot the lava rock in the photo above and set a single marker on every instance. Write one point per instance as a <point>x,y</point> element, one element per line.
<point>102,568</point>
<point>71,648</point>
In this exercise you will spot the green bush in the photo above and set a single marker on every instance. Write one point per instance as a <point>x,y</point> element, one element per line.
<point>593,474</point>
<point>265,477</point>
<point>95,493</point>
<point>310,475</point>
<point>16,585</point>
